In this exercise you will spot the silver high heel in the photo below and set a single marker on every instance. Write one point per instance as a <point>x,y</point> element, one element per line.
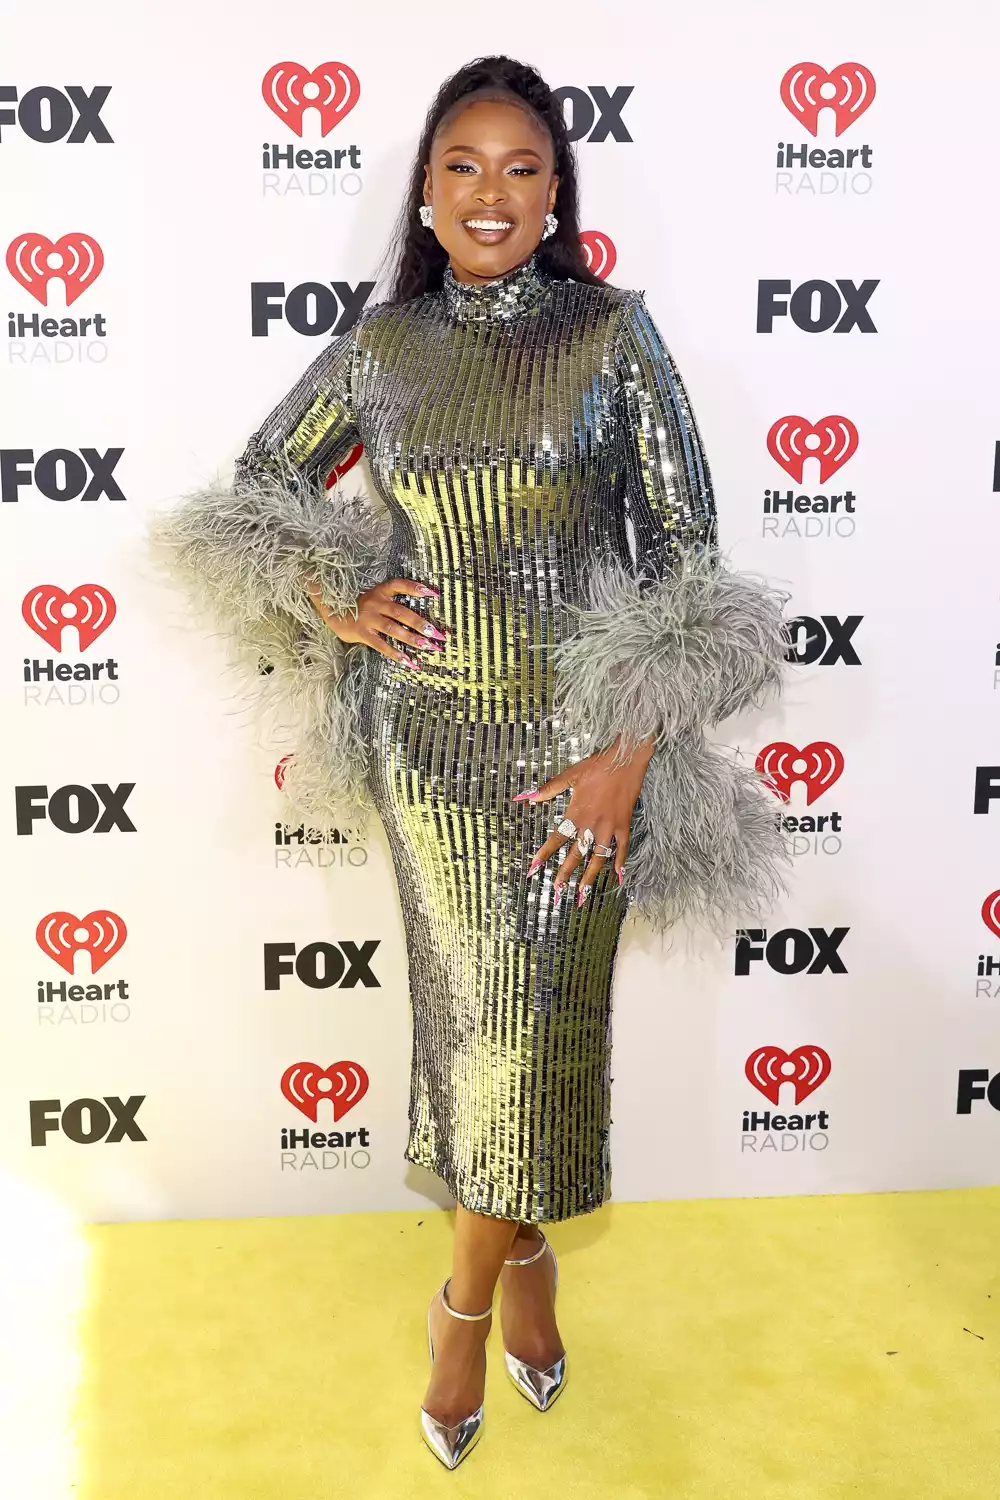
<point>451,1444</point>
<point>541,1387</point>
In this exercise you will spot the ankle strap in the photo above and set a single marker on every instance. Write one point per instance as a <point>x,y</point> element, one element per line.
<point>529,1258</point>
<point>466,1317</point>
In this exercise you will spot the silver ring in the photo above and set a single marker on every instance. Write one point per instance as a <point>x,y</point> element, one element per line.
<point>586,841</point>
<point>604,850</point>
<point>567,828</point>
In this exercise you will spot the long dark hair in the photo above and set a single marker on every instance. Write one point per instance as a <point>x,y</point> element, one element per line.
<point>418,259</point>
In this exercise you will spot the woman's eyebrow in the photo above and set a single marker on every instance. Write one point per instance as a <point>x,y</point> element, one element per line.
<point>475,151</point>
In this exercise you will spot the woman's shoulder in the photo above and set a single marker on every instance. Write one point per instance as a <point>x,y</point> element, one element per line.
<point>600,297</point>
<point>377,314</point>
<point>381,319</point>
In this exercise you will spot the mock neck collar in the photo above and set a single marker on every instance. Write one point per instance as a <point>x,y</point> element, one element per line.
<point>497,301</point>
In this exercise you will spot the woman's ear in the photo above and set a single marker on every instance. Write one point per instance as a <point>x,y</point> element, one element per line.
<point>553,190</point>
<point>427,182</point>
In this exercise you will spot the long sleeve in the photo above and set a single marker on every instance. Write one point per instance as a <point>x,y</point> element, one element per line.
<point>665,475</point>
<point>241,550</point>
<point>671,642</point>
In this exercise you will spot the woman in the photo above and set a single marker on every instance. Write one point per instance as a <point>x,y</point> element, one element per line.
<point>537,629</point>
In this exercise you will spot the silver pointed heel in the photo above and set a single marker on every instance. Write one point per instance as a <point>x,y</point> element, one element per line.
<point>451,1444</point>
<point>541,1387</point>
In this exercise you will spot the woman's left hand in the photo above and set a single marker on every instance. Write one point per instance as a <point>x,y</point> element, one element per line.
<point>603,800</point>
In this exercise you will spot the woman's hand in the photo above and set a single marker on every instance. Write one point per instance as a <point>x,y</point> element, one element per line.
<point>603,800</point>
<point>379,615</point>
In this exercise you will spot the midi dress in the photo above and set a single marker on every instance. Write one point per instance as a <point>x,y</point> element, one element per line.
<point>520,436</point>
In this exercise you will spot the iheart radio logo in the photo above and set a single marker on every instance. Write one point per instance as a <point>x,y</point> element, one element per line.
<point>817,765</point>
<point>304,1084</point>
<point>848,89</point>
<point>332,89</point>
<point>806,1067</point>
<point>833,440</point>
<point>991,912</point>
<point>599,252</point>
<point>33,260</point>
<point>48,609</point>
<point>61,936</point>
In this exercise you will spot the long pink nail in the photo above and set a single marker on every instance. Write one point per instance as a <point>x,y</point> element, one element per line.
<point>558,895</point>
<point>621,875</point>
<point>534,867</point>
<point>522,796</point>
<point>429,588</point>
<point>407,662</point>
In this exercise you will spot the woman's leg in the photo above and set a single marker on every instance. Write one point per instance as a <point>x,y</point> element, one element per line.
<point>458,1375</point>
<point>527,1305</point>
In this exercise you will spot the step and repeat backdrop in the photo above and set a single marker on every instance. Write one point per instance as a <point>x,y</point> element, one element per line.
<point>194,198</point>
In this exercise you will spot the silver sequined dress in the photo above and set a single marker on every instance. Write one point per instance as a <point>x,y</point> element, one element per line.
<point>515,432</point>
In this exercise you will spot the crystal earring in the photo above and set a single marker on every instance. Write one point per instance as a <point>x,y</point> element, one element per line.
<point>426,215</point>
<point>551,225</point>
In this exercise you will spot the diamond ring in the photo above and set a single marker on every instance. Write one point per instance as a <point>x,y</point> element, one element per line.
<point>567,828</point>
<point>586,841</point>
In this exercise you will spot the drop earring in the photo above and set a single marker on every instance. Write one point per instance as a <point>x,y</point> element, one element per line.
<point>551,225</point>
<point>427,215</point>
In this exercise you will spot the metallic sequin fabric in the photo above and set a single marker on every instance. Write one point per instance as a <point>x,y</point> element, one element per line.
<point>512,430</point>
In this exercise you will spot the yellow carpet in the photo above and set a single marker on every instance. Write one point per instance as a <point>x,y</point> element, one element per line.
<point>806,1348</point>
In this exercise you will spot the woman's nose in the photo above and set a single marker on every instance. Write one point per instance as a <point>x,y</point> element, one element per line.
<point>490,190</point>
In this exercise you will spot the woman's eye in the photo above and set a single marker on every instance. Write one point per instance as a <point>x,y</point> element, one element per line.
<point>467,166</point>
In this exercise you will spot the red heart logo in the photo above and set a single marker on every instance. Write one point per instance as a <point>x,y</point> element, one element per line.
<point>48,609</point>
<point>304,1084</point>
<point>817,765</point>
<point>33,260</point>
<point>340,469</point>
<point>769,1067</point>
<point>289,90</point>
<point>599,252</point>
<point>61,936</point>
<point>991,912</point>
<point>833,440</point>
<point>848,89</point>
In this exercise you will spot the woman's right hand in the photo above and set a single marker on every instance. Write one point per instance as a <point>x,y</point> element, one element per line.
<point>379,615</point>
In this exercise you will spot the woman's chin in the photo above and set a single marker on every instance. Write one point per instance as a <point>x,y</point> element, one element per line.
<point>472,261</point>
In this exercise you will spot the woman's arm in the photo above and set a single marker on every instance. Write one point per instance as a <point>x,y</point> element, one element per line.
<point>243,549</point>
<point>674,640</point>
<point>258,555</point>
<point>670,642</point>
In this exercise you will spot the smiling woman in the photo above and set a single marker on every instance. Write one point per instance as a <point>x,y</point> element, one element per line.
<point>547,510</point>
<point>489,200</point>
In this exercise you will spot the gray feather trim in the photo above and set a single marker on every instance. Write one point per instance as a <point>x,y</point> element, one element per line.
<point>245,547</point>
<point>239,552</point>
<point>668,655</point>
<point>706,842</point>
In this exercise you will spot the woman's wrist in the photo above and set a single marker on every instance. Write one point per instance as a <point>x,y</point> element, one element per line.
<point>326,614</point>
<point>633,752</point>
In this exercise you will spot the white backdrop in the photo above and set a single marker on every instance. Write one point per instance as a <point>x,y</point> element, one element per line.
<point>699,215</point>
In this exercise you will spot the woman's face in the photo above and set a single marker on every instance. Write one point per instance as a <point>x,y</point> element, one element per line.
<point>493,163</point>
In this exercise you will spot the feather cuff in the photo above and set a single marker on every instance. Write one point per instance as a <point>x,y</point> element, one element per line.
<point>706,842</point>
<point>667,657</point>
<point>240,554</point>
